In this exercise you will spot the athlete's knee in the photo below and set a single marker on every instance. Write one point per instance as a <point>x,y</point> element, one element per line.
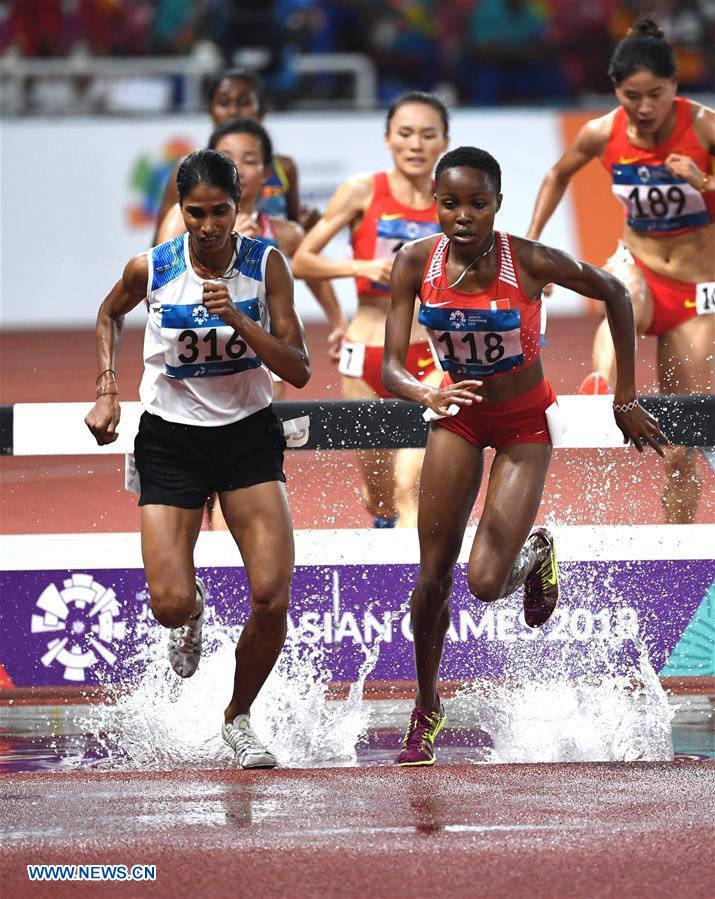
<point>171,603</point>
<point>433,586</point>
<point>270,600</point>
<point>484,584</point>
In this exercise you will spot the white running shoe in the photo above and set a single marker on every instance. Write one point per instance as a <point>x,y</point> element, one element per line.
<point>185,642</point>
<point>249,751</point>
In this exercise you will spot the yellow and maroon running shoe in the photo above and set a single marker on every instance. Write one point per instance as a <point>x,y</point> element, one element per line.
<point>541,587</point>
<point>418,742</point>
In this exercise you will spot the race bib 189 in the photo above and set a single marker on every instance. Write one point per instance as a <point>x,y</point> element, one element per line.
<point>656,200</point>
<point>474,342</point>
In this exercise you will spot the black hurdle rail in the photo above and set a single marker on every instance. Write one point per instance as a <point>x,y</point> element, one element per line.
<point>396,424</point>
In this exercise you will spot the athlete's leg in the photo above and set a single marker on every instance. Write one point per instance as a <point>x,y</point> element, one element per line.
<point>604,355</point>
<point>685,365</point>
<point>516,483</point>
<point>408,465</point>
<point>168,537</point>
<point>260,523</point>
<point>450,480</point>
<point>377,467</point>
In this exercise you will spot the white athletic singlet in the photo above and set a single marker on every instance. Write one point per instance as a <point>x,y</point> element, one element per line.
<point>197,370</point>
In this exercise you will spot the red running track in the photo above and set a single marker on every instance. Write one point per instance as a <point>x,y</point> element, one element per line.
<point>69,494</point>
<point>586,830</point>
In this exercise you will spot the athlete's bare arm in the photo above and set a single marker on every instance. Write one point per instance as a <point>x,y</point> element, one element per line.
<point>169,198</point>
<point>684,166</point>
<point>288,235</point>
<point>540,265</point>
<point>283,351</point>
<point>171,226</point>
<point>293,191</point>
<point>345,208</point>
<point>407,271</point>
<point>127,293</point>
<point>589,143</point>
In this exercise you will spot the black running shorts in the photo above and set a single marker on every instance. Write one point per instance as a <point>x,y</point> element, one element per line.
<point>182,465</point>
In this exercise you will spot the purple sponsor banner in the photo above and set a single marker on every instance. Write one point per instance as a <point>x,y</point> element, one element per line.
<point>84,627</point>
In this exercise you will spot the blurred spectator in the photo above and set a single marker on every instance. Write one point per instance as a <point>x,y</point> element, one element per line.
<point>483,52</point>
<point>581,36</point>
<point>403,43</point>
<point>174,26</point>
<point>507,57</point>
<point>688,24</point>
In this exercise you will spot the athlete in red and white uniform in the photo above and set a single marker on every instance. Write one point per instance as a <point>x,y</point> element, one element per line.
<point>480,299</point>
<point>384,211</point>
<point>386,226</point>
<point>659,150</point>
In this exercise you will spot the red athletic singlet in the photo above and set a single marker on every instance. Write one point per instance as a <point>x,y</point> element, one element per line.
<point>490,332</point>
<point>385,227</point>
<point>656,201</point>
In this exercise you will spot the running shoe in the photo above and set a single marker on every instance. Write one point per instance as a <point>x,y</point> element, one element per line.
<point>418,742</point>
<point>594,385</point>
<point>185,641</point>
<point>541,587</point>
<point>248,749</point>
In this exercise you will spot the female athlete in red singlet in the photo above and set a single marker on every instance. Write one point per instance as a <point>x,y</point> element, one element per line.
<point>658,149</point>
<point>480,300</point>
<point>383,211</point>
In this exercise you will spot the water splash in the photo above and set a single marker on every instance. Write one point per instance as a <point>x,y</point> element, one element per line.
<point>161,722</point>
<point>547,716</point>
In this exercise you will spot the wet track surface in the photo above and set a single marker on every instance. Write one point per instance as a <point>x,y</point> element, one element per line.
<point>579,830</point>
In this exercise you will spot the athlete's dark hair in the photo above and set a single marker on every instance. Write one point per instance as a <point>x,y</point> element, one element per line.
<point>244,126</point>
<point>643,48</point>
<point>208,167</point>
<point>419,97</point>
<point>472,158</point>
<point>240,74</point>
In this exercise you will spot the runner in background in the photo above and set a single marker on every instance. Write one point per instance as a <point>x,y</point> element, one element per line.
<point>240,93</point>
<point>658,149</point>
<point>383,212</point>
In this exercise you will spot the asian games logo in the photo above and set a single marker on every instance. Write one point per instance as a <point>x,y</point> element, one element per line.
<point>457,317</point>
<point>84,615</point>
<point>148,180</point>
<point>200,315</point>
<point>643,172</point>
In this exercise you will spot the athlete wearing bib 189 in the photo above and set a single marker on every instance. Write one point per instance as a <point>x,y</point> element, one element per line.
<point>220,306</point>
<point>480,299</point>
<point>659,152</point>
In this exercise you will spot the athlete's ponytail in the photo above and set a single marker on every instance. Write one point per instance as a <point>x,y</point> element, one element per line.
<point>208,167</point>
<point>644,48</point>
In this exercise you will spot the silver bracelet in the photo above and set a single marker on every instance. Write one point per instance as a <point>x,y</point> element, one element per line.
<point>625,407</point>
